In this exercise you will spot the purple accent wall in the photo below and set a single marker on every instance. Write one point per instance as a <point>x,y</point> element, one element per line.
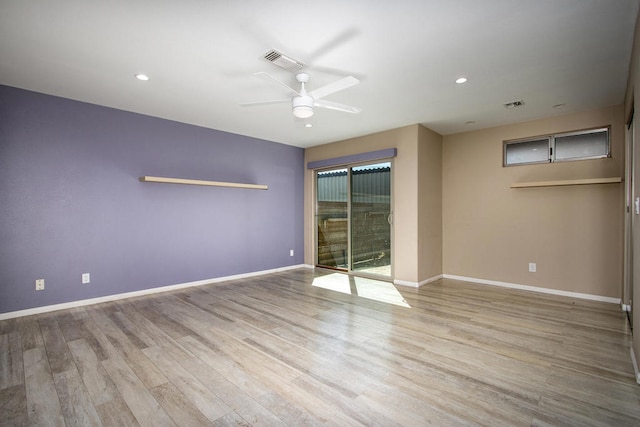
<point>71,202</point>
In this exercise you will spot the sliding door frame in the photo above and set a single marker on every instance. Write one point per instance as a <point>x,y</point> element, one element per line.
<point>631,223</point>
<point>349,269</point>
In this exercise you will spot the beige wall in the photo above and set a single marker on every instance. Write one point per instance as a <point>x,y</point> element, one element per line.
<point>573,233</point>
<point>455,213</point>
<point>412,237</point>
<point>429,204</point>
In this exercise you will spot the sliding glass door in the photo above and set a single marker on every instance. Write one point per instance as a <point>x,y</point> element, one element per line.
<point>371,219</point>
<point>353,218</point>
<point>332,216</point>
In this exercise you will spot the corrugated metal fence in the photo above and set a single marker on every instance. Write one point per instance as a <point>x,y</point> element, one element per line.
<point>368,185</point>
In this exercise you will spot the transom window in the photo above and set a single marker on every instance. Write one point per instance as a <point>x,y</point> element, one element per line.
<point>579,145</point>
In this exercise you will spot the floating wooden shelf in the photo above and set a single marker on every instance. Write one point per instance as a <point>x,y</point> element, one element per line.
<point>586,181</point>
<point>199,182</point>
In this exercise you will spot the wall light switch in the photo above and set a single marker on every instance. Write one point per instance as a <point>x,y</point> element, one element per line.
<point>291,252</point>
<point>532,267</point>
<point>86,278</point>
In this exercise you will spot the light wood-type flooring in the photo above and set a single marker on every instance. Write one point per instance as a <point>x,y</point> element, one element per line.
<point>283,349</point>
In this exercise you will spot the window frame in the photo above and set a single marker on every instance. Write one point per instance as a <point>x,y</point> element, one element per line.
<point>551,138</point>
<point>523,140</point>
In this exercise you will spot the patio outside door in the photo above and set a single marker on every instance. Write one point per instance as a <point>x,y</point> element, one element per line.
<point>353,219</point>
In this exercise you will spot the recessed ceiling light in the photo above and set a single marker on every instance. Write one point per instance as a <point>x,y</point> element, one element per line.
<point>308,125</point>
<point>461,80</point>
<point>142,77</point>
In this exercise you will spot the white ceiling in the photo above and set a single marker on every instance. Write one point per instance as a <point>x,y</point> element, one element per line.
<point>200,56</point>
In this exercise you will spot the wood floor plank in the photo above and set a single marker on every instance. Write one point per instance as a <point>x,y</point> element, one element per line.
<point>30,334</point>
<point>116,413</point>
<point>8,326</point>
<point>567,410</point>
<point>316,406</point>
<point>467,398</point>
<point>196,393</point>
<point>13,406</point>
<point>304,362</point>
<point>282,378</point>
<point>616,397</point>
<point>254,361</point>
<point>11,363</point>
<point>223,366</point>
<point>235,311</point>
<point>102,346</point>
<point>206,302</point>
<point>159,337</point>
<point>190,316</point>
<point>287,411</point>
<point>232,420</point>
<point>70,328</point>
<point>135,335</point>
<point>152,311</point>
<point>144,407</point>
<point>58,354</point>
<point>43,404</point>
<point>240,402</point>
<point>408,411</point>
<point>77,407</point>
<point>98,383</point>
<point>75,326</point>
<point>146,371</point>
<point>179,408</point>
<point>348,407</point>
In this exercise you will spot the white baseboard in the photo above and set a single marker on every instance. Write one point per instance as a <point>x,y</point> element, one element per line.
<point>635,365</point>
<point>417,284</point>
<point>405,283</point>
<point>90,301</point>
<point>534,289</point>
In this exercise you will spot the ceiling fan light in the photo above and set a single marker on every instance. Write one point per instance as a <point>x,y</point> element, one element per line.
<point>302,106</point>
<point>302,111</point>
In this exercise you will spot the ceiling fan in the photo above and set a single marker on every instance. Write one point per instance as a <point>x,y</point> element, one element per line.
<point>302,102</point>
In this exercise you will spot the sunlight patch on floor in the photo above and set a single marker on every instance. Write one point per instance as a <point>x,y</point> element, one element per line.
<point>362,287</point>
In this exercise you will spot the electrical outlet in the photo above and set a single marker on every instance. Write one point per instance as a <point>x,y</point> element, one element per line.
<point>291,252</point>
<point>39,284</point>
<point>86,278</point>
<point>532,267</point>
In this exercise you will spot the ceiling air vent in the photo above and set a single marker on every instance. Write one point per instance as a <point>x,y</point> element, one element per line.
<point>283,61</point>
<point>514,104</point>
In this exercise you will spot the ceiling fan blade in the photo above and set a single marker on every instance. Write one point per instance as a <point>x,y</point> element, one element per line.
<point>334,87</point>
<point>337,106</point>
<point>269,77</point>
<point>273,101</point>
<point>333,44</point>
